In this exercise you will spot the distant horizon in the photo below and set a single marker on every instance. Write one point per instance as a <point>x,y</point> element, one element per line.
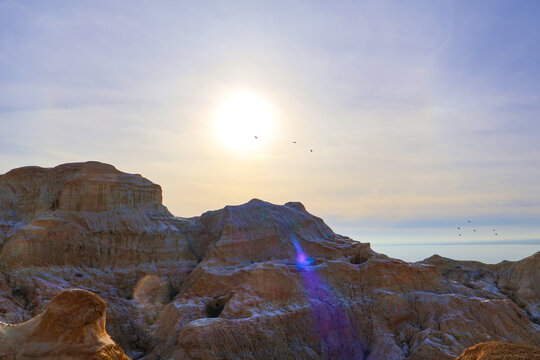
<point>392,121</point>
<point>490,254</point>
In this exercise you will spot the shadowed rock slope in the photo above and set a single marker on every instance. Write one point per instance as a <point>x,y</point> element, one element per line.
<point>253,281</point>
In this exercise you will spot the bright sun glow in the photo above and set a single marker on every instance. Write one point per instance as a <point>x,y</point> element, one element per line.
<point>244,120</point>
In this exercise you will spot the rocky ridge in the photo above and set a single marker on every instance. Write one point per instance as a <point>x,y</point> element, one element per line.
<point>256,280</point>
<point>518,281</point>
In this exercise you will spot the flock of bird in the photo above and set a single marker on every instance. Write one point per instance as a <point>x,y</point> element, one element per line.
<point>294,142</point>
<point>474,230</point>
<point>459,227</point>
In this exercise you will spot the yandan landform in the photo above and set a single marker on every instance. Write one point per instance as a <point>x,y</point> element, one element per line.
<point>93,266</point>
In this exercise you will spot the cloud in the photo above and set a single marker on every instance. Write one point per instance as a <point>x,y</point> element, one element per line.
<point>415,111</point>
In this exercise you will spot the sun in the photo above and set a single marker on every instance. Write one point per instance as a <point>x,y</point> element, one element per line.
<point>244,120</point>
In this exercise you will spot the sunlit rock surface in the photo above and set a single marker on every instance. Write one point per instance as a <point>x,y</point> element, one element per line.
<point>86,214</point>
<point>72,326</point>
<point>500,351</point>
<point>254,281</point>
<point>515,280</point>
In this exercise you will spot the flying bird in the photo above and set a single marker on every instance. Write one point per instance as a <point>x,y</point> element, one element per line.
<point>459,228</point>
<point>474,230</point>
<point>469,220</point>
<point>294,142</point>
<point>459,234</point>
<point>256,137</point>
<point>496,234</point>
<point>310,150</point>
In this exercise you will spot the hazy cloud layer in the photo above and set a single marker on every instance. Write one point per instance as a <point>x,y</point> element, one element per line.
<point>421,114</point>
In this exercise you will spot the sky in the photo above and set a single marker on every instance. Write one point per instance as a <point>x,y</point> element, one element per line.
<point>421,115</point>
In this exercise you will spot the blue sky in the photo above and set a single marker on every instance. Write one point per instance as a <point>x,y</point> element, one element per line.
<point>422,114</point>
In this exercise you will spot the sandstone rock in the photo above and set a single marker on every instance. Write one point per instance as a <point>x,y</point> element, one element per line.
<point>260,231</point>
<point>252,281</point>
<point>72,326</point>
<point>383,308</point>
<point>516,280</point>
<point>86,214</point>
<point>500,351</point>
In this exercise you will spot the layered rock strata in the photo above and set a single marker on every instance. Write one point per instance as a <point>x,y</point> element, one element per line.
<point>500,351</point>
<point>86,214</point>
<point>253,281</point>
<point>515,280</point>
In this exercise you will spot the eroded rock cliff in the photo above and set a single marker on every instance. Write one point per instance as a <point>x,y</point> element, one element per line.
<point>515,280</point>
<point>253,281</point>
<point>86,214</point>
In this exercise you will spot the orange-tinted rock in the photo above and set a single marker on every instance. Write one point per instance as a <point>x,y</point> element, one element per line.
<point>256,280</point>
<point>86,214</point>
<point>71,327</point>
<point>381,309</point>
<point>500,351</point>
<point>517,280</point>
<point>91,186</point>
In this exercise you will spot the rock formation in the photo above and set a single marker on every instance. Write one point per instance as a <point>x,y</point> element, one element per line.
<point>97,216</point>
<point>515,280</point>
<point>253,281</point>
<point>72,326</point>
<point>500,351</point>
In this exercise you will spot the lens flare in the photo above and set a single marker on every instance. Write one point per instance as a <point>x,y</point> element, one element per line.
<point>333,326</point>
<point>302,260</point>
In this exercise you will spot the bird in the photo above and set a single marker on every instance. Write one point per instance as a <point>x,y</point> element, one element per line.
<point>294,142</point>
<point>496,234</point>
<point>474,230</point>
<point>493,229</point>
<point>256,137</point>
<point>459,228</point>
<point>469,220</point>
<point>459,234</point>
<point>310,150</point>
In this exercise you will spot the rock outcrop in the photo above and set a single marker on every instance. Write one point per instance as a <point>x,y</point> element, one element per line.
<point>500,351</point>
<point>515,280</point>
<point>72,326</point>
<point>85,214</point>
<point>253,281</point>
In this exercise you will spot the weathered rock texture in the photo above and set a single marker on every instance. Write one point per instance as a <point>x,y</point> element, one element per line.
<point>72,326</point>
<point>515,280</point>
<point>254,281</point>
<point>85,214</point>
<point>500,351</point>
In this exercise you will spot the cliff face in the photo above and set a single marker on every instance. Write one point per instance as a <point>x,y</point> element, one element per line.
<point>85,214</point>
<point>515,280</point>
<point>29,192</point>
<point>253,281</point>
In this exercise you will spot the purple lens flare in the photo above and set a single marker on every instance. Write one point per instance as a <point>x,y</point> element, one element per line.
<point>331,323</point>
<point>302,260</point>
